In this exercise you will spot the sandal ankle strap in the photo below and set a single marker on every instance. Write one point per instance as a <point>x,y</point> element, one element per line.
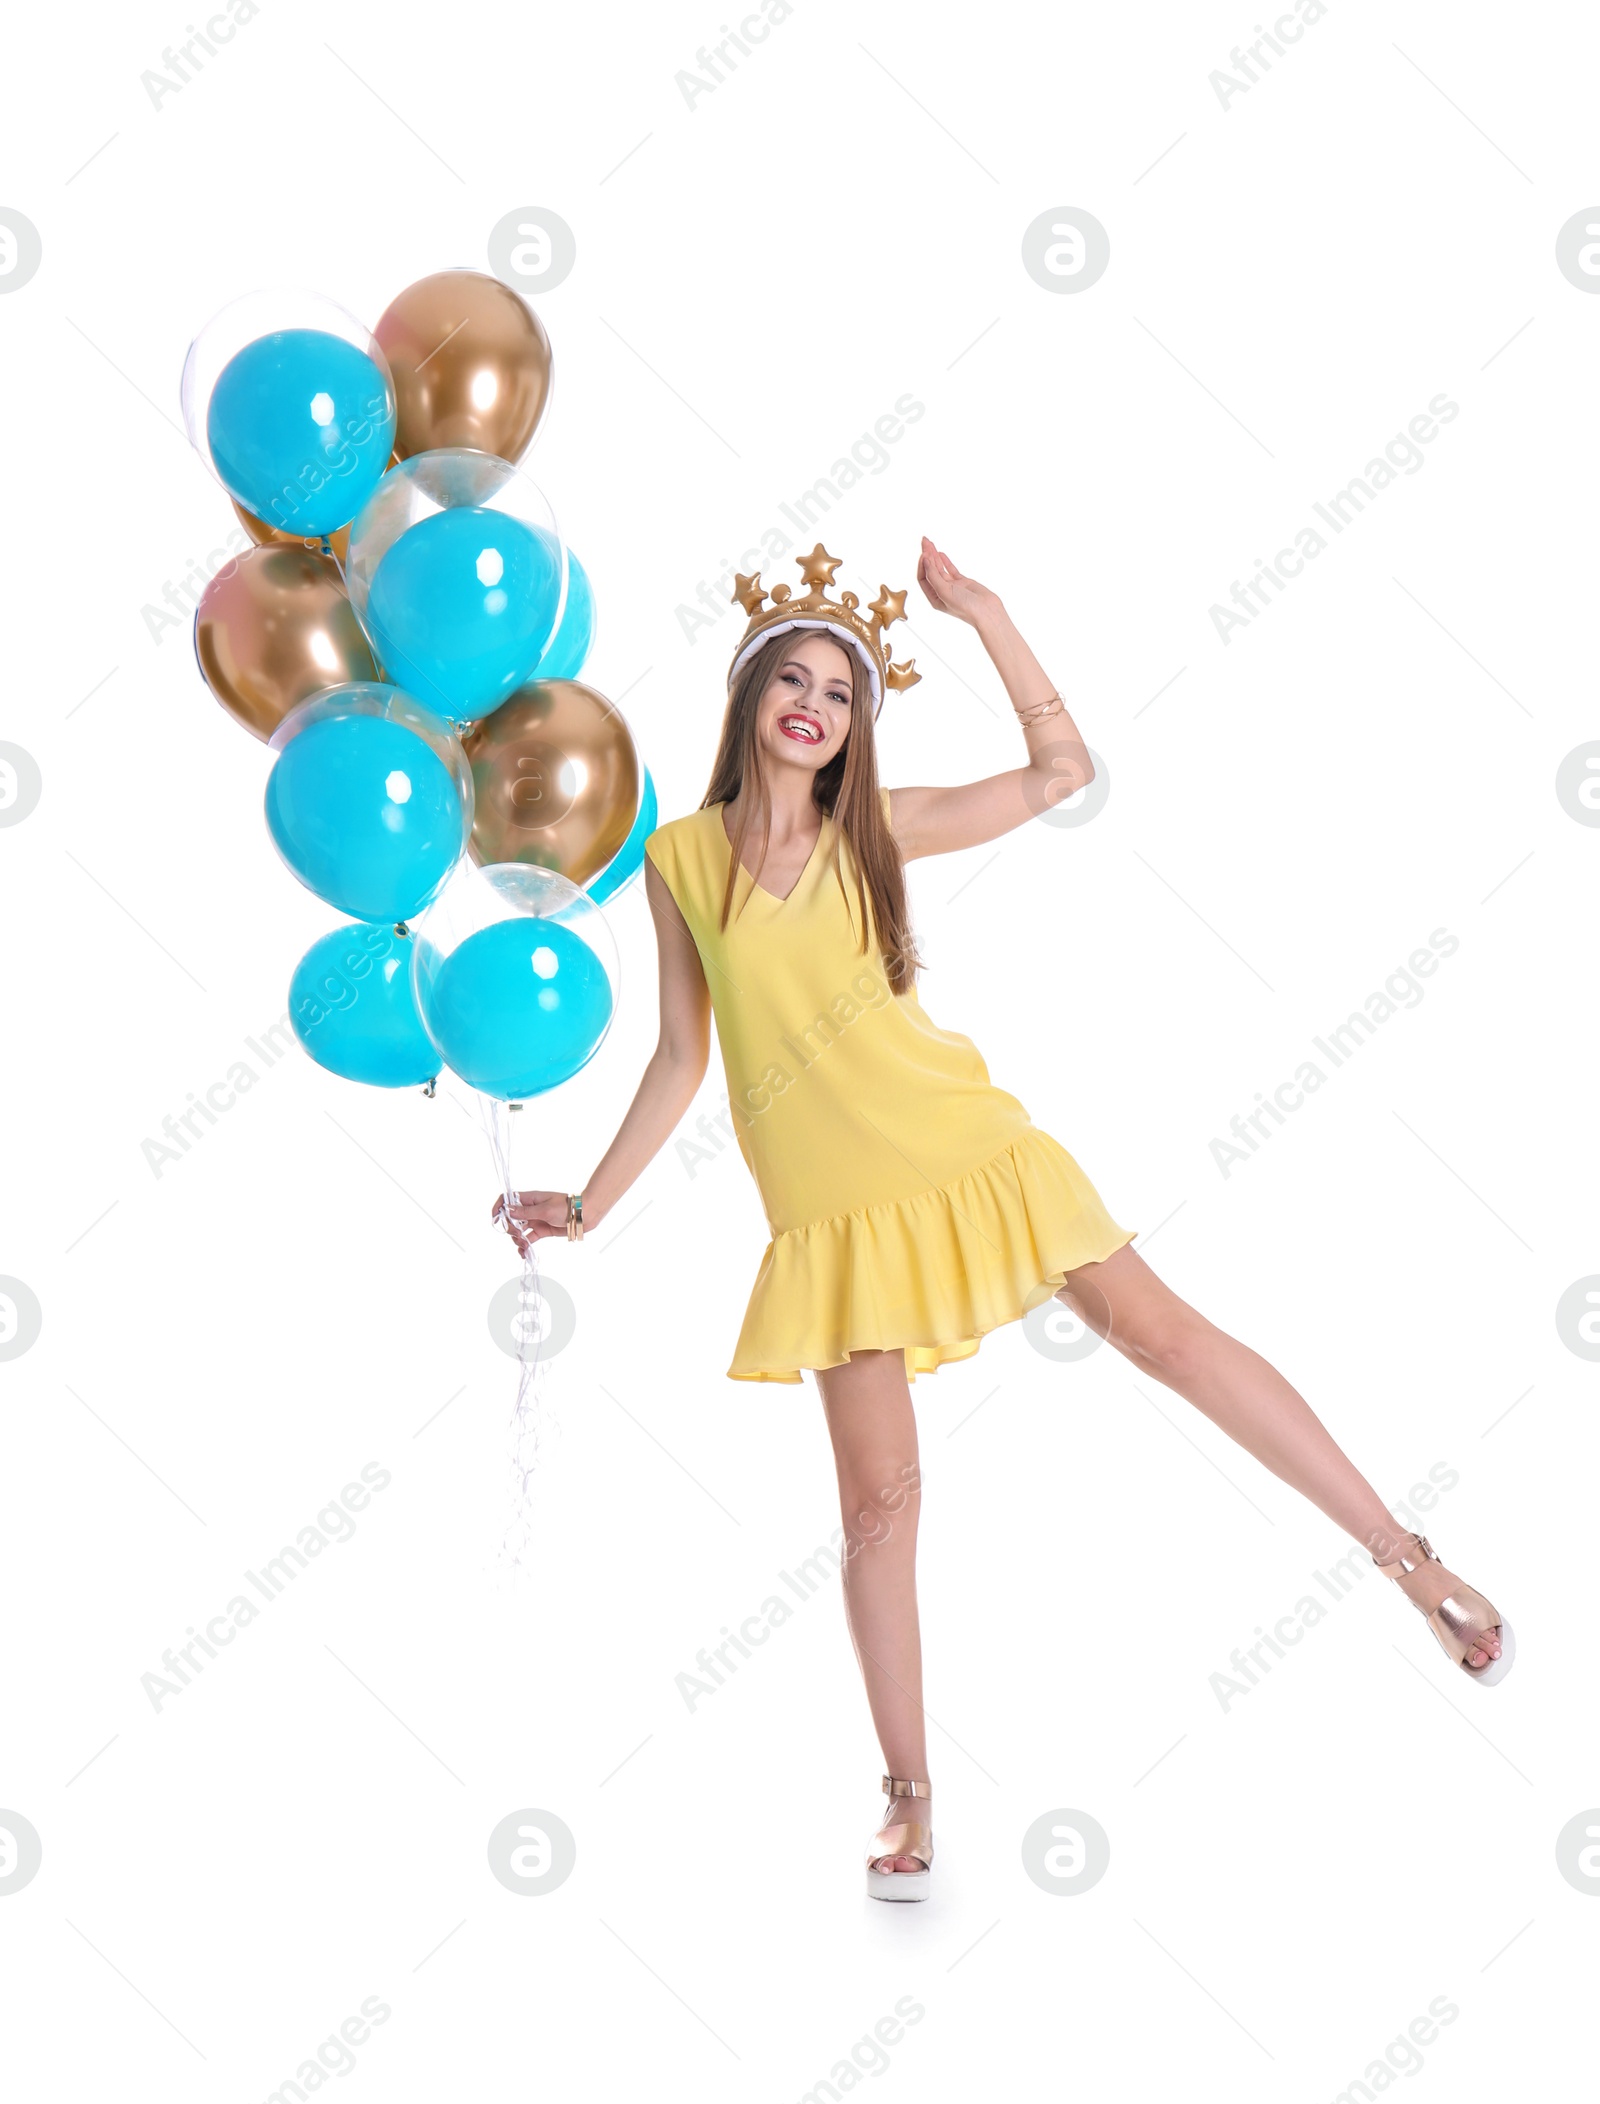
<point>1404,1561</point>
<point>906,1786</point>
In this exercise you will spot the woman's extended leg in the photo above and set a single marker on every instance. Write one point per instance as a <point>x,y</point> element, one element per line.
<point>1123,1301</point>
<point>867,1403</point>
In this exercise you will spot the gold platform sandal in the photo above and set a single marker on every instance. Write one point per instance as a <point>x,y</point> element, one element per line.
<point>1461,1618</point>
<point>907,1837</point>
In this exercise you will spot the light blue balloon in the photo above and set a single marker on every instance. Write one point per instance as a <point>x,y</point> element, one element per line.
<point>515,1009</point>
<point>367,816</point>
<point>462,606</point>
<point>627,862</point>
<point>301,426</point>
<point>570,645</point>
<point>352,1006</point>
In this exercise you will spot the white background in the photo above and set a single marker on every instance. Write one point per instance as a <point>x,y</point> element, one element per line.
<point>758,279</point>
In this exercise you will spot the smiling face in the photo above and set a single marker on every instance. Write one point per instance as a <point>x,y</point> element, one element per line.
<point>803,718</point>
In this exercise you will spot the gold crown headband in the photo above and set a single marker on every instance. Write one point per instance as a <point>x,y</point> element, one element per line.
<point>815,610</point>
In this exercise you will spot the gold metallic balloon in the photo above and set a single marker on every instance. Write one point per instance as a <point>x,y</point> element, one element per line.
<point>273,628</point>
<point>266,536</point>
<point>557,778</point>
<point>471,365</point>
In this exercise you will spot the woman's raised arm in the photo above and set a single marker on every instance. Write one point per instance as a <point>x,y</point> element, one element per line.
<point>938,821</point>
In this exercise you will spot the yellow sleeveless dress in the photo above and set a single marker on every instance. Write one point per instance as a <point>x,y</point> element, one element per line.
<point>912,1203</point>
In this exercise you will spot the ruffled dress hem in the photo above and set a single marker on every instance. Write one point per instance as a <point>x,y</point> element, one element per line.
<point>931,1274</point>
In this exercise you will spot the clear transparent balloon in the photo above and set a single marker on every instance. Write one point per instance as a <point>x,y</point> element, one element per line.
<point>477,898</point>
<point>429,483</point>
<point>245,321</point>
<point>478,905</point>
<point>393,705</point>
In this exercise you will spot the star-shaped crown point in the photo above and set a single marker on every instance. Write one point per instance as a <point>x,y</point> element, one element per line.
<point>846,613</point>
<point>818,567</point>
<point>888,607</point>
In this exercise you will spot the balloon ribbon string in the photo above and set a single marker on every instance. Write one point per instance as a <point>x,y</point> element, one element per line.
<point>495,1118</point>
<point>325,547</point>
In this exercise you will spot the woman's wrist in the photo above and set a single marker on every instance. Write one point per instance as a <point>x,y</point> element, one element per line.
<point>994,626</point>
<point>1028,688</point>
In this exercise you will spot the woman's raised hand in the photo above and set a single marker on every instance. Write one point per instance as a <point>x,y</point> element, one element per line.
<point>948,591</point>
<point>534,1215</point>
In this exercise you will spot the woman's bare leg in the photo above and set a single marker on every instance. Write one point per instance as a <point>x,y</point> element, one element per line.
<point>1123,1301</point>
<point>867,1403</point>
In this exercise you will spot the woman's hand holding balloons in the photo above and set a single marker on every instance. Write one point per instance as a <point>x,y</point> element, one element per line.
<point>534,1216</point>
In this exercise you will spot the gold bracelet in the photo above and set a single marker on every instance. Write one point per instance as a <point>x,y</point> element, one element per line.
<point>1040,710</point>
<point>574,1216</point>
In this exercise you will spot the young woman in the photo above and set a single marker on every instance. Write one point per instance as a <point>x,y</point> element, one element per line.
<point>913,1205</point>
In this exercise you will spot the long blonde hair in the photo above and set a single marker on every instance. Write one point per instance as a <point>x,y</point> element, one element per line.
<point>846,790</point>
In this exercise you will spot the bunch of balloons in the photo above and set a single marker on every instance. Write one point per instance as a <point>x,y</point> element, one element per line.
<point>406,637</point>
